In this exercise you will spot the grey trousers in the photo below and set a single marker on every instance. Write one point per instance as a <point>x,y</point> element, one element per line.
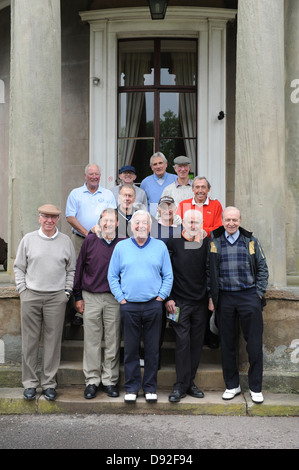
<point>48,311</point>
<point>101,321</point>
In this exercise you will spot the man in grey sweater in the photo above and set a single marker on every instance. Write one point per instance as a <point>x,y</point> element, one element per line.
<point>44,273</point>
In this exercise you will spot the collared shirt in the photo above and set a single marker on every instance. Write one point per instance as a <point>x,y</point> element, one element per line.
<point>189,183</point>
<point>43,235</point>
<point>206,203</point>
<point>86,206</point>
<point>153,187</point>
<point>232,238</point>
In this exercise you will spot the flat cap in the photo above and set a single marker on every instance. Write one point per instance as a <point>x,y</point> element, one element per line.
<point>49,209</point>
<point>182,160</point>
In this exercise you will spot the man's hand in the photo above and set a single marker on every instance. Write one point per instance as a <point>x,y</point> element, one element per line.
<point>80,306</point>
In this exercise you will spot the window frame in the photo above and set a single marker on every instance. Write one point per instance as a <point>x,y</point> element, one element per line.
<point>208,25</point>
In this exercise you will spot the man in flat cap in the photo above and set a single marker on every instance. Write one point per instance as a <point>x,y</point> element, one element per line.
<point>44,273</point>
<point>181,188</point>
<point>127,175</point>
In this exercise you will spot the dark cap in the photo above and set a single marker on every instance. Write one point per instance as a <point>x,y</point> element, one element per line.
<point>127,168</point>
<point>167,199</point>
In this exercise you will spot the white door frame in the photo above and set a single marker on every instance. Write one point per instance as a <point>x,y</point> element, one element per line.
<point>209,27</point>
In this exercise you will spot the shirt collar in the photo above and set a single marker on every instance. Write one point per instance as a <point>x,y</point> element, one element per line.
<point>232,238</point>
<point>189,183</point>
<point>86,190</point>
<point>206,203</point>
<point>43,235</point>
<point>156,178</point>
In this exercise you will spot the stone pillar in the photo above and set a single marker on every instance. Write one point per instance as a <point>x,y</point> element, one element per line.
<point>35,119</point>
<point>292,137</point>
<point>260,128</point>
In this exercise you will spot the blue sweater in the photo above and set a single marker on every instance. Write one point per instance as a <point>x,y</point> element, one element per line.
<point>154,190</point>
<point>139,274</point>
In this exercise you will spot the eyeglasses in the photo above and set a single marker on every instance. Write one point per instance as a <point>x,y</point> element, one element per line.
<point>45,216</point>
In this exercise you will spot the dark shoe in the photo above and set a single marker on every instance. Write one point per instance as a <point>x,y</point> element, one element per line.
<point>176,396</point>
<point>50,394</point>
<point>195,392</point>
<point>78,321</point>
<point>29,393</point>
<point>90,391</point>
<point>111,390</point>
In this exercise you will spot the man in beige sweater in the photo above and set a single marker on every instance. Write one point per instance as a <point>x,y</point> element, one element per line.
<point>44,273</point>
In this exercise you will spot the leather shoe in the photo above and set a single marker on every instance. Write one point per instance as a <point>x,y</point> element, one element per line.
<point>90,391</point>
<point>195,392</point>
<point>50,394</point>
<point>230,393</point>
<point>176,396</point>
<point>29,393</point>
<point>111,390</point>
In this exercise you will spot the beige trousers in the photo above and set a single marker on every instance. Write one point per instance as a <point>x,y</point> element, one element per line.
<point>37,310</point>
<point>101,321</point>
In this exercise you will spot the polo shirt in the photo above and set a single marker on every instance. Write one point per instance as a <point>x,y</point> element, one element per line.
<point>86,206</point>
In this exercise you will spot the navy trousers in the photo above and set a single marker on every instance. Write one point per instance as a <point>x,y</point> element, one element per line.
<point>247,305</point>
<point>190,333</point>
<point>141,319</point>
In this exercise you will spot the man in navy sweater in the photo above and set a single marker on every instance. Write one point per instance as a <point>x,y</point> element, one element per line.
<point>101,311</point>
<point>140,278</point>
<point>189,293</point>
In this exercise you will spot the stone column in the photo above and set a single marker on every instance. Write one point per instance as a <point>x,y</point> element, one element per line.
<point>260,128</point>
<point>35,119</point>
<point>292,137</point>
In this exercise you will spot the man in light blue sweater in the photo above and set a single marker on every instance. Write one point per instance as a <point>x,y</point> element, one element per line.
<point>140,278</point>
<point>154,184</point>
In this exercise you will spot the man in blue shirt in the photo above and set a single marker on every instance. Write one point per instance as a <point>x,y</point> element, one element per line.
<point>83,209</point>
<point>85,205</point>
<point>140,278</point>
<point>154,184</point>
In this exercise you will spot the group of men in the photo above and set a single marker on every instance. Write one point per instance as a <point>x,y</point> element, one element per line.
<point>139,254</point>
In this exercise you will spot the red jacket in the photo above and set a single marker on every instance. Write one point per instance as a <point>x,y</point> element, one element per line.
<point>211,213</point>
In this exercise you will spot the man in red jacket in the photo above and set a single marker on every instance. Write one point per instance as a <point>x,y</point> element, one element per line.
<point>211,209</point>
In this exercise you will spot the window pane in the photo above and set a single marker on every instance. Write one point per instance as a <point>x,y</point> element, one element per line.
<point>178,114</point>
<point>136,152</point>
<point>136,114</point>
<point>178,62</point>
<point>136,63</point>
<point>172,148</point>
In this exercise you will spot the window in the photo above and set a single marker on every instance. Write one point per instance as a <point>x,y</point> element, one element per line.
<point>157,101</point>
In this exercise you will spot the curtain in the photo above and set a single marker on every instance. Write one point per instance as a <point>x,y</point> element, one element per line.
<point>134,66</point>
<point>184,67</point>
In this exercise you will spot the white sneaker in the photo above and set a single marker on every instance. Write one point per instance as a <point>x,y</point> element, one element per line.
<point>130,397</point>
<point>256,397</point>
<point>151,397</point>
<point>231,393</point>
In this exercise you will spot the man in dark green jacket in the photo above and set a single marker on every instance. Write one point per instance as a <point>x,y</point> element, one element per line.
<point>237,280</point>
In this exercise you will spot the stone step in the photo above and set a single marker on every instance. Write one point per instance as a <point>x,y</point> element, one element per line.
<point>72,350</point>
<point>70,400</point>
<point>208,377</point>
<point>77,332</point>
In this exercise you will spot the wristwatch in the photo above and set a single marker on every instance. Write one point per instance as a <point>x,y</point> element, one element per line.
<point>68,293</point>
